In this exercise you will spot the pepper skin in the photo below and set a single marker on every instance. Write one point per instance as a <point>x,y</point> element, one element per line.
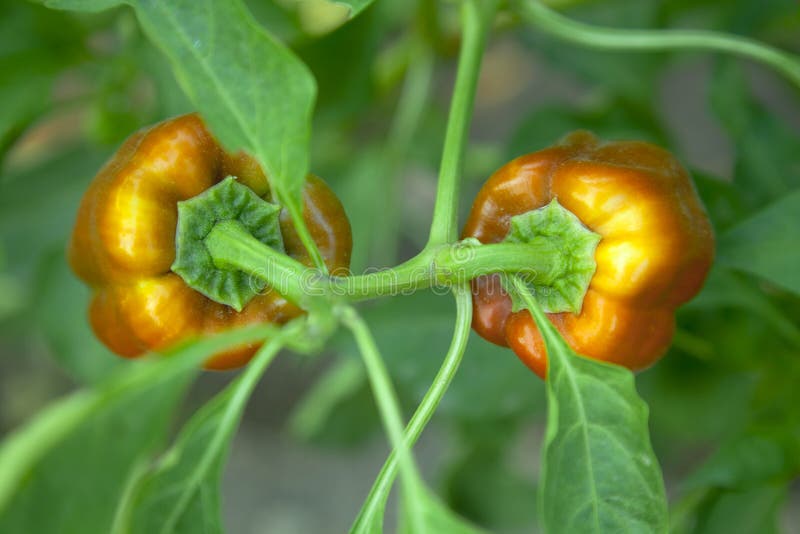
<point>124,241</point>
<point>657,247</point>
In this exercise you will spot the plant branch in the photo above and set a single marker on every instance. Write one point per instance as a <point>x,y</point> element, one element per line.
<point>231,245</point>
<point>27,445</point>
<point>386,399</point>
<point>296,213</point>
<point>376,500</point>
<point>241,392</point>
<point>476,17</point>
<point>547,20</point>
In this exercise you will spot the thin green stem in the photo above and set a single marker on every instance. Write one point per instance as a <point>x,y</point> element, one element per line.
<point>416,273</point>
<point>231,245</point>
<point>476,17</point>
<point>125,506</point>
<point>541,259</point>
<point>376,500</point>
<point>388,406</point>
<point>242,389</point>
<point>544,18</point>
<point>296,213</point>
<point>25,446</point>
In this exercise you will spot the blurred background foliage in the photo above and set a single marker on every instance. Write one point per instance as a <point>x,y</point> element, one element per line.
<point>725,406</point>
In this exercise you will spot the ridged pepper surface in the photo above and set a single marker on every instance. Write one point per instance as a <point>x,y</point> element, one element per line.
<point>655,250</point>
<point>123,243</point>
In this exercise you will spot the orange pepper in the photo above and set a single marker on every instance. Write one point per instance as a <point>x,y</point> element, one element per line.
<point>657,247</point>
<point>123,243</point>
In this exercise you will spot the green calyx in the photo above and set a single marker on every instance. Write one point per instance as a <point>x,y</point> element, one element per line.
<point>575,265</point>
<point>227,201</point>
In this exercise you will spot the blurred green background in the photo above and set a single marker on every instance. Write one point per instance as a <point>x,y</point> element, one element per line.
<point>725,406</point>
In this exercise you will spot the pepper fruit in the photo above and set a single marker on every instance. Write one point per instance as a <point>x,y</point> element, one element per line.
<point>656,247</point>
<point>123,243</point>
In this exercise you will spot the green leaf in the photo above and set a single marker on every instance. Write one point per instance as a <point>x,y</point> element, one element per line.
<point>693,402</point>
<point>766,165</point>
<point>754,511</point>
<point>724,288</point>
<point>724,202</point>
<point>89,6</point>
<point>576,244</point>
<point>438,518</point>
<point>487,489</point>
<point>105,436</point>
<point>182,493</point>
<point>93,464</point>
<point>766,243</point>
<point>749,461</point>
<point>155,495</point>
<point>92,442</point>
<point>599,472</point>
<point>253,92</point>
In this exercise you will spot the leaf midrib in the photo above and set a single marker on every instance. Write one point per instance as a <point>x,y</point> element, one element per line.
<point>568,370</point>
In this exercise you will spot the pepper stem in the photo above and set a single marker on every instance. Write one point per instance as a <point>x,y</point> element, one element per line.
<point>556,257</point>
<point>228,201</point>
<point>229,248</point>
<point>232,247</point>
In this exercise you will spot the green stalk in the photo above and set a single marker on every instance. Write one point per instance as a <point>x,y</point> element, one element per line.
<point>231,245</point>
<point>541,259</point>
<point>242,390</point>
<point>388,406</point>
<point>547,20</point>
<point>476,17</point>
<point>25,446</point>
<point>453,264</point>
<point>376,500</point>
<point>296,213</point>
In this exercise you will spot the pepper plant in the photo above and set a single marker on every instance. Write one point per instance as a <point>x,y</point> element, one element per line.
<point>206,242</point>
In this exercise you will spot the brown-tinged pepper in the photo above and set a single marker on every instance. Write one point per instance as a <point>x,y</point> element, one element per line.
<point>123,243</point>
<point>657,247</point>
